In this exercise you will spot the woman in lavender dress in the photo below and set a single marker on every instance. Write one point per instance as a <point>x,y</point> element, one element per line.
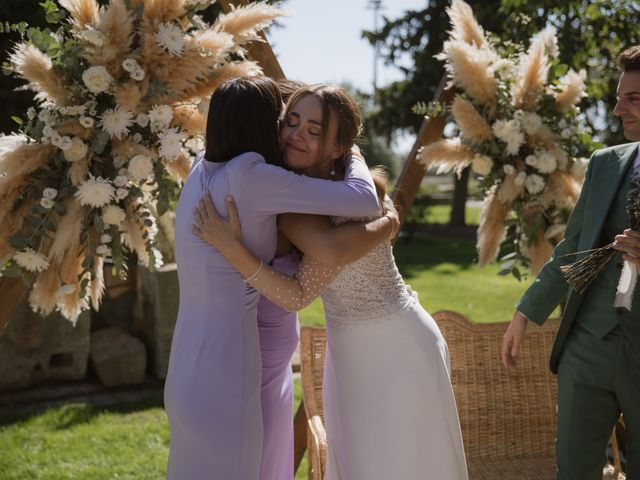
<point>212,391</point>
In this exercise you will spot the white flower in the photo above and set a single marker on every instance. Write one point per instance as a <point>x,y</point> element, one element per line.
<point>48,131</point>
<point>137,137</point>
<point>120,181</point>
<point>103,251</point>
<point>482,164</point>
<point>97,79</point>
<point>95,192</point>
<point>93,36</point>
<point>116,122</point>
<point>66,289</point>
<point>47,116</point>
<point>86,122</point>
<point>170,144</point>
<point>31,113</point>
<point>171,38</point>
<point>77,151</point>
<point>562,123</point>
<point>504,68</point>
<point>122,193</point>
<point>565,133</point>
<point>56,138</point>
<point>509,132</point>
<point>534,183</point>
<point>113,215</point>
<point>508,169</point>
<point>195,144</point>
<point>520,178</point>
<point>73,110</point>
<point>65,143</point>
<point>138,74</point>
<point>143,119</point>
<point>47,203</point>
<point>130,64</point>
<point>160,116</point>
<point>91,106</point>
<point>531,122</point>
<point>544,161</point>
<point>140,167</point>
<point>50,193</point>
<point>119,161</point>
<point>31,260</point>
<point>105,238</point>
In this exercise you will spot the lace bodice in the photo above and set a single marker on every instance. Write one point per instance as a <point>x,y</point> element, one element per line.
<point>368,288</point>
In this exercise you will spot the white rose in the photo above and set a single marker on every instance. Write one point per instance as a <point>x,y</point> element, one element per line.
<point>65,143</point>
<point>56,138</point>
<point>120,181</point>
<point>97,79</point>
<point>105,238</point>
<point>49,193</point>
<point>482,164</point>
<point>534,183</point>
<point>137,138</point>
<point>47,203</point>
<point>48,131</point>
<point>140,167</point>
<point>531,122</point>
<point>113,215</point>
<point>565,133</point>
<point>122,193</point>
<point>508,169</point>
<point>76,151</point>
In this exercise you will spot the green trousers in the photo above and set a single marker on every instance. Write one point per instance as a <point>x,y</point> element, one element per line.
<point>597,379</point>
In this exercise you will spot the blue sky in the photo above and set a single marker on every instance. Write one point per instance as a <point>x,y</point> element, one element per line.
<point>321,42</point>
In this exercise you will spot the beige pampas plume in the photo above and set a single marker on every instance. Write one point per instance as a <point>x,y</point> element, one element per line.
<point>572,89</point>
<point>491,229</point>
<point>43,296</point>
<point>96,289</point>
<point>9,229</point>
<point>67,237</point>
<point>189,119</point>
<point>73,128</point>
<point>245,22</point>
<point>469,68</point>
<point>219,44</point>
<point>83,12</point>
<point>116,24</point>
<point>79,170</point>
<point>472,124</point>
<point>128,95</point>
<point>70,304</point>
<point>446,155</point>
<point>532,76</point>
<point>163,10</point>
<point>465,26</point>
<point>36,67</point>
<point>133,238</point>
<point>17,157</point>
<point>508,190</point>
<point>562,189</point>
<point>180,168</point>
<point>187,72</point>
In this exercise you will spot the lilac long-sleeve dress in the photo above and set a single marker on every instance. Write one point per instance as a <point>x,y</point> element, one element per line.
<point>279,332</point>
<point>212,391</point>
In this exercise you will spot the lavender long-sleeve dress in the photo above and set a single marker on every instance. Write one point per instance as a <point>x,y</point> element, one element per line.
<point>212,392</point>
<point>279,332</point>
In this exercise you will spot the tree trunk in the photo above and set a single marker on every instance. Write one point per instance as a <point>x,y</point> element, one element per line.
<point>459,199</point>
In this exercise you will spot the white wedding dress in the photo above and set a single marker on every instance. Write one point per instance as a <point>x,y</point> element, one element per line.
<point>390,412</point>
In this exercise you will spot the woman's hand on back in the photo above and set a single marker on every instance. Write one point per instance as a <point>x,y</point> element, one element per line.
<point>389,210</point>
<point>224,234</point>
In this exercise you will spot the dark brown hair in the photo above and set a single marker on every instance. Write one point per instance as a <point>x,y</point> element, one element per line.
<point>335,101</point>
<point>629,60</point>
<point>243,117</point>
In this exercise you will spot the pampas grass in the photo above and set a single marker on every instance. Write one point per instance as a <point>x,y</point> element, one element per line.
<point>472,124</point>
<point>83,12</point>
<point>491,229</point>
<point>43,296</point>
<point>532,76</point>
<point>446,155</point>
<point>36,67</point>
<point>219,44</point>
<point>163,10</point>
<point>180,168</point>
<point>508,191</point>
<point>96,289</point>
<point>221,75</point>
<point>539,252</point>
<point>67,237</point>
<point>128,95</point>
<point>189,119</point>
<point>18,158</point>
<point>572,89</point>
<point>244,23</point>
<point>465,26</point>
<point>133,238</point>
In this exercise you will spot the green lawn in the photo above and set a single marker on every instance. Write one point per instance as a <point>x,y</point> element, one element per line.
<point>129,440</point>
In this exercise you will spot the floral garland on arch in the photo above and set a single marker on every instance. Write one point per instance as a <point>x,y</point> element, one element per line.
<point>518,121</point>
<point>122,95</point>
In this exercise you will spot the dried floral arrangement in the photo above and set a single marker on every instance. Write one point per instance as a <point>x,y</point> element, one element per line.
<point>121,101</point>
<point>516,113</point>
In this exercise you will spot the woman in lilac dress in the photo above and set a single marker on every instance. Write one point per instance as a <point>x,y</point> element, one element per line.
<point>212,391</point>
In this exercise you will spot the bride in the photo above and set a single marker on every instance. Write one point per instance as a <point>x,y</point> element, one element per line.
<point>389,405</point>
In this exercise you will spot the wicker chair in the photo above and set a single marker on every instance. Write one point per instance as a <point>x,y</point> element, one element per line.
<point>507,417</point>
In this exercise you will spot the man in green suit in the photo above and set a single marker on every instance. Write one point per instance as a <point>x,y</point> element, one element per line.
<point>596,354</point>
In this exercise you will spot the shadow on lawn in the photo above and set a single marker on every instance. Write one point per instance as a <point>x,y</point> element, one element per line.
<point>419,254</point>
<point>81,411</point>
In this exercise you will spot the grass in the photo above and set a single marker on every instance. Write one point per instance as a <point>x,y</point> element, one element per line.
<point>130,439</point>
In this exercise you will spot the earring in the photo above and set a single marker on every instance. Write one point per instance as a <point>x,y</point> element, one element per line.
<point>333,171</point>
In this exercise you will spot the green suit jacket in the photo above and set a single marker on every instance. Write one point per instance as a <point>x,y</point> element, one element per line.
<point>604,175</point>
